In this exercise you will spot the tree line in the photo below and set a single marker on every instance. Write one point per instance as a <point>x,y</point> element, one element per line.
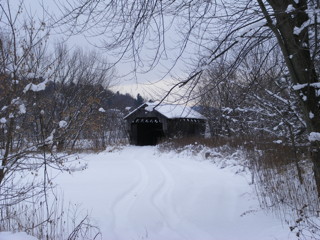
<point>53,101</point>
<point>255,70</point>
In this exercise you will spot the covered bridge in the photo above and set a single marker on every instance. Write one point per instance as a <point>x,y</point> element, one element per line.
<point>152,121</point>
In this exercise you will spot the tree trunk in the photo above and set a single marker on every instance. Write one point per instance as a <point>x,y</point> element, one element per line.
<point>295,46</point>
<point>8,147</point>
<point>60,145</point>
<point>315,156</point>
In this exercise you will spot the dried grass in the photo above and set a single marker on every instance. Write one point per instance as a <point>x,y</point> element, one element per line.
<point>282,176</point>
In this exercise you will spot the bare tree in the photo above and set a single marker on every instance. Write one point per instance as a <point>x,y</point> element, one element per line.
<point>80,81</point>
<point>26,133</point>
<point>22,47</point>
<point>24,66</point>
<point>214,28</point>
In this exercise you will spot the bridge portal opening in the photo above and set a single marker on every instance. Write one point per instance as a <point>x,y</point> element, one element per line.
<point>146,131</point>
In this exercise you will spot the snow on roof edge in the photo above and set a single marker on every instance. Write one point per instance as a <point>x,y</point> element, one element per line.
<point>134,110</point>
<point>170,111</point>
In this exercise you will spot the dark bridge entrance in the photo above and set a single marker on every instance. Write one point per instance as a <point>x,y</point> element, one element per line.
<point>146,131</point>
<point>152,121</point>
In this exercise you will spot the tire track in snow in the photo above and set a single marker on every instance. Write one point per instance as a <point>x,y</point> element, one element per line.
<point>165,198</point>
<point>156,198</point>
<point>117,201</point>
<point>147,189</point>
<point>162,199</point>
<point>151,193</point>
<point>152,196</point>
<point>158,189</point>
<point>125,202</point>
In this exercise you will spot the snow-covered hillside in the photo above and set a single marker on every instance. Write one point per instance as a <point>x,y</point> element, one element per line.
<point>15,236</point>
<point>140,193</point>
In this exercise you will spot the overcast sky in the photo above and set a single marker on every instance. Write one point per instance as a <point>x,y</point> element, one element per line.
<point>151,85</point>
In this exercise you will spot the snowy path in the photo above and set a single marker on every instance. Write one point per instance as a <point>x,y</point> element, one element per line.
<point>138,193</point>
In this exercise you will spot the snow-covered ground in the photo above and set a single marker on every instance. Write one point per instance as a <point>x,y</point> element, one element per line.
<point>140,193</point>
<point>15,236</point>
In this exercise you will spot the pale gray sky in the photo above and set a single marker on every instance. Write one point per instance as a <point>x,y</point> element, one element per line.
<point>152,85</point>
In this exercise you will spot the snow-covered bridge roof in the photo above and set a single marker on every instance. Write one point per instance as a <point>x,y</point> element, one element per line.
<point>170,111</point>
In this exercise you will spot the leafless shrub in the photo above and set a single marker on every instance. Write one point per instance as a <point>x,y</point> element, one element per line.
<point>59,223</point>
<point>286,187</point>
<point>282,176</point>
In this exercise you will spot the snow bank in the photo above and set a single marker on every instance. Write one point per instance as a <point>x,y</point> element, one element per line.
<point>15,236</point>
<point>141,193</point>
